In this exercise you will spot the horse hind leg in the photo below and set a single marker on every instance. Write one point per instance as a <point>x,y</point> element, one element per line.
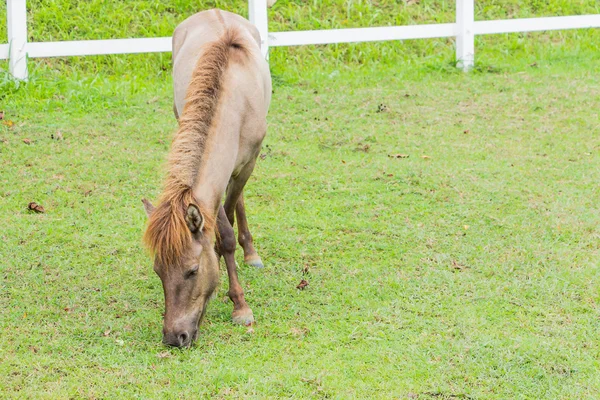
<point>251,257</point>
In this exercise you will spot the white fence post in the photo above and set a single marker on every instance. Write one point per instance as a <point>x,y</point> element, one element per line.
<point>465,34</point>
<point>17,38</point>
<point>257,13</point>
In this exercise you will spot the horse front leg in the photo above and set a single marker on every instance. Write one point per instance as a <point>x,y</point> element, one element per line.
<point>242,314</point>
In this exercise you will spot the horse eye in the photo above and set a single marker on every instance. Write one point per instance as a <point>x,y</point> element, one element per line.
<point>192,272</point>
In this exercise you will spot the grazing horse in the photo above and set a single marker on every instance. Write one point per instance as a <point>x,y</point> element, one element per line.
<point>222,91</point>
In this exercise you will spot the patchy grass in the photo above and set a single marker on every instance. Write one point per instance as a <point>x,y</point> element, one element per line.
<point>448,222</point>
<point>467,269</point>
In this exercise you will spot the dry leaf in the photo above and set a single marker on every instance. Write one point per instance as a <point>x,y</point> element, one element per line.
<point>250,330</point>
<point>27,141</point>
<point>425,157</point>
<point>153,100</point>
<point>398,155</point>
<point>303,283</point>
<point>411,2</point>
<point>164,354</point>
<point>33,206</point>
<point>1,115</point>
<point>57,136</point>
<point>457,266</point>
<point>8,123</point>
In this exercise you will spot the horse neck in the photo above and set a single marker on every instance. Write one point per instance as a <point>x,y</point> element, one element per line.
<point>219,156</point>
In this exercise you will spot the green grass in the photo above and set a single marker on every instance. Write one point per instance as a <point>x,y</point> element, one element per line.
<point>467,270</point>
<point>105,19</point>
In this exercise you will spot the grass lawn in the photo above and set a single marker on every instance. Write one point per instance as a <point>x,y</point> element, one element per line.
<point>447,224</point>
<point>468,268</point>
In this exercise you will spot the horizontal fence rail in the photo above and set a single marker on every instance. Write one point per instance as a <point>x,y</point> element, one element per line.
<point>464,30</point>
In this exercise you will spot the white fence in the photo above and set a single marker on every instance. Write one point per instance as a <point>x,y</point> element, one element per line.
<point>464,30</point>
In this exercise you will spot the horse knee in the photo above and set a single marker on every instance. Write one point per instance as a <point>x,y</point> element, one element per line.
<point>227,241</point>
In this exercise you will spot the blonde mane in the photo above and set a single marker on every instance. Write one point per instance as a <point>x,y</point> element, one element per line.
<point>167,234</point>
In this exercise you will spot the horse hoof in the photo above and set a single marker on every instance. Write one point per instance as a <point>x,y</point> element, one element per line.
<point>254,262</point>
<point>243,317</point>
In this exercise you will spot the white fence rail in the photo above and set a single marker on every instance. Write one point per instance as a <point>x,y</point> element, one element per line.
<point>464,30</point>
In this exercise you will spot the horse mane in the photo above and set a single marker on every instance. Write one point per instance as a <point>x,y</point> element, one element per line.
<point>167,234</point>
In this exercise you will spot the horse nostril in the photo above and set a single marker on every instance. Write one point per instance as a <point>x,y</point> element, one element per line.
<point>183,338</point>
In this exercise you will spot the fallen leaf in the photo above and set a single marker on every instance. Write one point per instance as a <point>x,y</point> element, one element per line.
<point>411,2</point>
<point>27,141</point>
<point>457,266</point>
<point>67,309</point>
<point>250,330</point>
<point>398,155</point>
<point>33,349</point>
<point>8,123</point>
<point>87,193</point>
<point>1,115</point>
<point>425,157</point>
<point>164,354</point>
<point>263,156</point>
<point>305,270</point>
<point>106,333</point>
<point>466,131</point>
<point>120,342</point>
<point>33,206</point>
<point>303,283</point>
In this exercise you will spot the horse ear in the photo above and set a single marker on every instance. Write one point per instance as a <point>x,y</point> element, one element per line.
<point>194,219</point>
<point>148,207</point>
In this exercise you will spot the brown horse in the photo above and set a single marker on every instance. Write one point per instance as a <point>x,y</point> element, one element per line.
<point>222,90</point>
